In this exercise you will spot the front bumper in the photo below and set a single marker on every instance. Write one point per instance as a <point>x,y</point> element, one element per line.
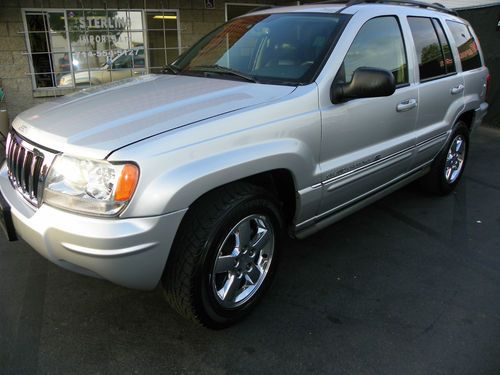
<point>129,252</point>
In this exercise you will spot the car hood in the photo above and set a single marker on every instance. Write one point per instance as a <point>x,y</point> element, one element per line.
<point>96,121</point>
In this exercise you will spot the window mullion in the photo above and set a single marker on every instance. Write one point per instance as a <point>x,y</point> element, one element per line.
<point>48,40</point>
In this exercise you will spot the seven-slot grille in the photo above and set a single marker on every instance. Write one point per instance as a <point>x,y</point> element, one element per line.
<point>27,168</point>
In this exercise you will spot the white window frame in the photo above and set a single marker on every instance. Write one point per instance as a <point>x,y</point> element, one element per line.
<point>144,22</point>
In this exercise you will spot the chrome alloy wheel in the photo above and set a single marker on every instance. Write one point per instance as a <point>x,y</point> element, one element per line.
<point>455,159</point>
<point>243,261</point>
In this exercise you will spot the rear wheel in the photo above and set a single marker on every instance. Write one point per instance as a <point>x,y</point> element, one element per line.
<point>449,165</point>
<point>225,255</point>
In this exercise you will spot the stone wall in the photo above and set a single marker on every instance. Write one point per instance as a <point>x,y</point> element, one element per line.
<point>195,21</point>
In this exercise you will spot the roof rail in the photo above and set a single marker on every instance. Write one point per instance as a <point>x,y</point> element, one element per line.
<point>415,3</point>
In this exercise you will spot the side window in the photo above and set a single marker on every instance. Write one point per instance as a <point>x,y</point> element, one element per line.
<point>123,62</point>
<point>378,44</point>
<point>139,62</point>
<point>138,59</point>
<point>429,51</point>
<point>445,47</point>
<point>467,47</point>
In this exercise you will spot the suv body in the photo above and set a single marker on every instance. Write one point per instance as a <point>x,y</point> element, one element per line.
<point>304,154</point>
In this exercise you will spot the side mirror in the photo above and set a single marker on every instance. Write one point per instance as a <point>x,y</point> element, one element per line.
<point>365,83</point>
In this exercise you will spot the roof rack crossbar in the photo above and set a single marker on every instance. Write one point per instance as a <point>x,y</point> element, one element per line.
<point>420,4</point>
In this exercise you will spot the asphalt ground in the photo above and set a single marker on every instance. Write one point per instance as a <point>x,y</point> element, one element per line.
<point>409,285</point>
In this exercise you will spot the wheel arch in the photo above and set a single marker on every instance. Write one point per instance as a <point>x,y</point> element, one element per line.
<point>467,117</point>
<point>467,113</point>
<point>277,178</point>
<point>278,182</point>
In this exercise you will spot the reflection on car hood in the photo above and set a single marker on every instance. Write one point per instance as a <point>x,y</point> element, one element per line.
<point>80,77</point>
<point>96,121</point>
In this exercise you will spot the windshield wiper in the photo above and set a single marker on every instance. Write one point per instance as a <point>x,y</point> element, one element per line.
<point>172,68</point>
<point>219,69</point>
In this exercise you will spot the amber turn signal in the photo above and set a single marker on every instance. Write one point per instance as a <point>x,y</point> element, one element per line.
<point>127,183</point>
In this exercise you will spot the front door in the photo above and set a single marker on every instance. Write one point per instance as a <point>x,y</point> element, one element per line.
<point>367,143</point>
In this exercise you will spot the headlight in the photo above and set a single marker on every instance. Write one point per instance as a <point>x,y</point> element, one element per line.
<point>94,187</point>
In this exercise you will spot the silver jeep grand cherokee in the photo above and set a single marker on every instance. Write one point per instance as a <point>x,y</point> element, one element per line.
<point>281,121</point>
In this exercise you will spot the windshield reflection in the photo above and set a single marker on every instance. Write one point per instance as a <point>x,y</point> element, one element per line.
<point>282,48</point>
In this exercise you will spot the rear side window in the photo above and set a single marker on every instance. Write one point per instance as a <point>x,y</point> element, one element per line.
<point>378,44</point>
<point>431,60</point>
<point>467,47</point>
<point>445,47</point>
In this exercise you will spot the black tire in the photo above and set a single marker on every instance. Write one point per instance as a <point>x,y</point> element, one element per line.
<point>190,280</point>
<point>437,181</point>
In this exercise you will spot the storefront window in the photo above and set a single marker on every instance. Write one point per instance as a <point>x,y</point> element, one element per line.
<point>163,39</point>
<point>44,44</point>
<point>78,48</point>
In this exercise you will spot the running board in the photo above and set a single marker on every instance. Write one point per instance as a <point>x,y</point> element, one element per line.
<point>339,215</point>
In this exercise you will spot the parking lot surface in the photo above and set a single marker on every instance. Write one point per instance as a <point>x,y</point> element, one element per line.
<point>409,285</point>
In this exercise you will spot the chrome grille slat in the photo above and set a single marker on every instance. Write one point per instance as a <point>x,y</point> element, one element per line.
<point>31,177</point>
<point>15,151</point>
<point>27,170</point>
<point>27,167</point>
<point>37,176</point>
<point>20,166</point>
<point>10,150</point>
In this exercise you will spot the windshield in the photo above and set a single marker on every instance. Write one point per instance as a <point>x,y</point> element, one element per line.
<point>286,48</point>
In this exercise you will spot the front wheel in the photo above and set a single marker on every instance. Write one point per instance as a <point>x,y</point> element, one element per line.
<point>225,255</point>
<point>449,165</point>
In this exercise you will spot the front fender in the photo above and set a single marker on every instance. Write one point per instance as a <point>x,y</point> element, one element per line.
<point>178,188</point>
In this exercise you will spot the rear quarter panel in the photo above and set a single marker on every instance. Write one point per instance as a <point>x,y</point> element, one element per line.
<point>474,80</point>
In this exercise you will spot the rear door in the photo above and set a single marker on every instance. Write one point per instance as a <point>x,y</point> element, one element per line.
<point>474,72</point>
<point>440,88</point>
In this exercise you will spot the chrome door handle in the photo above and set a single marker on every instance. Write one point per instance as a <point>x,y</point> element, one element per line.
<point>406,105</point>
<point>457,89</point>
